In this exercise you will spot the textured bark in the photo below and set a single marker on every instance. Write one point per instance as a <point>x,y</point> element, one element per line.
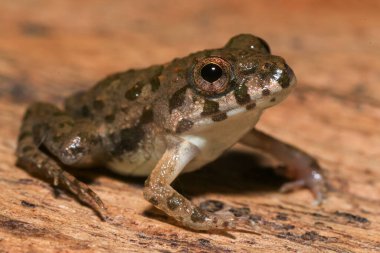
<point>49,49</point>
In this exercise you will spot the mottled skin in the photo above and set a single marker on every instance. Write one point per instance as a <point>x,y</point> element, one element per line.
<point>164,120</point>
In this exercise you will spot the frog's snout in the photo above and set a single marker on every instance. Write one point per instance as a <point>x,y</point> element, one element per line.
<point>288,79</point>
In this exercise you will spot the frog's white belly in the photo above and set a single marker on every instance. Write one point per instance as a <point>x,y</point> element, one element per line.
<point>212,139</point>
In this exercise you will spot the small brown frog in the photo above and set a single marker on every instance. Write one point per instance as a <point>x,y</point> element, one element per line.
<point>164,120</point>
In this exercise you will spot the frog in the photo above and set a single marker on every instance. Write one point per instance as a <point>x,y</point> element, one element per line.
<point>164,120</point>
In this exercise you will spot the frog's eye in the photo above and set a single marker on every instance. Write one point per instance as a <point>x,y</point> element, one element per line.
<point>211,76</point>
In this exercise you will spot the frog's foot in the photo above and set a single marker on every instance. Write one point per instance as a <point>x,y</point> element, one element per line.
<point>36,162</point>
<point>298,165</point>
<point>310,178</point>
<point>42,123</point>
<point>83,193</point>
<point>181,209</point>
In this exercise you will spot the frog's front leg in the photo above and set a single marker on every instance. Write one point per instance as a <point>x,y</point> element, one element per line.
<point>299,166</point>
<point>159,192</point>
<point>72,142</point>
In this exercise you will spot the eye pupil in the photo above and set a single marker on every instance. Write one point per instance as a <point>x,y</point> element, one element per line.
<point>211,72</point>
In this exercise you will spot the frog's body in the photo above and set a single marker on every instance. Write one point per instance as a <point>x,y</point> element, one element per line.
<point>164,120</point>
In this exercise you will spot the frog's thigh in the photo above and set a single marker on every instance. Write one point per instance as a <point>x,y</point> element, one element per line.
<point>159,192</point>
<point>44,124</point>
<point>299,165</point>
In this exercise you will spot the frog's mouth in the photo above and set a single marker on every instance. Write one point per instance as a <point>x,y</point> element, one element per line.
<point>220,116</point>
<point>250,108</point>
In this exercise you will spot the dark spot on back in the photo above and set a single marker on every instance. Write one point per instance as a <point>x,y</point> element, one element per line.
<point>177,99</point>
<point>219,116</point>
<point>147,116</point>
<point>85,111</point>
<point>127,139</point>
<point>109,118</point>
<point>134,92</point>
<point>98,105</point>
<point>155,83</point>
<point>184,125</point>
<point>273,99</point>
<point>241,94</point>
<point>265,92</point>
<point>210,107</point>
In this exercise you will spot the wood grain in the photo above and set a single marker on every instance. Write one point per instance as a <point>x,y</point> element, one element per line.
<point>49,49</point>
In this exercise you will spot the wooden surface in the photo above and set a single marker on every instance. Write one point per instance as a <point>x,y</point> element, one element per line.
<point>49,49</point>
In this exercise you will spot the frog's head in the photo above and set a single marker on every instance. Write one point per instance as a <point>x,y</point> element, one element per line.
<point>221,83</point>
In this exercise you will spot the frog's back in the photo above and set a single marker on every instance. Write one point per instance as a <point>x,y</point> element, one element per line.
<point>125,95</point>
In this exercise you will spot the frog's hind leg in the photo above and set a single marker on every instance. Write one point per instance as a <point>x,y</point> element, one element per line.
<point>45,126</point>
<point>299,166</point>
